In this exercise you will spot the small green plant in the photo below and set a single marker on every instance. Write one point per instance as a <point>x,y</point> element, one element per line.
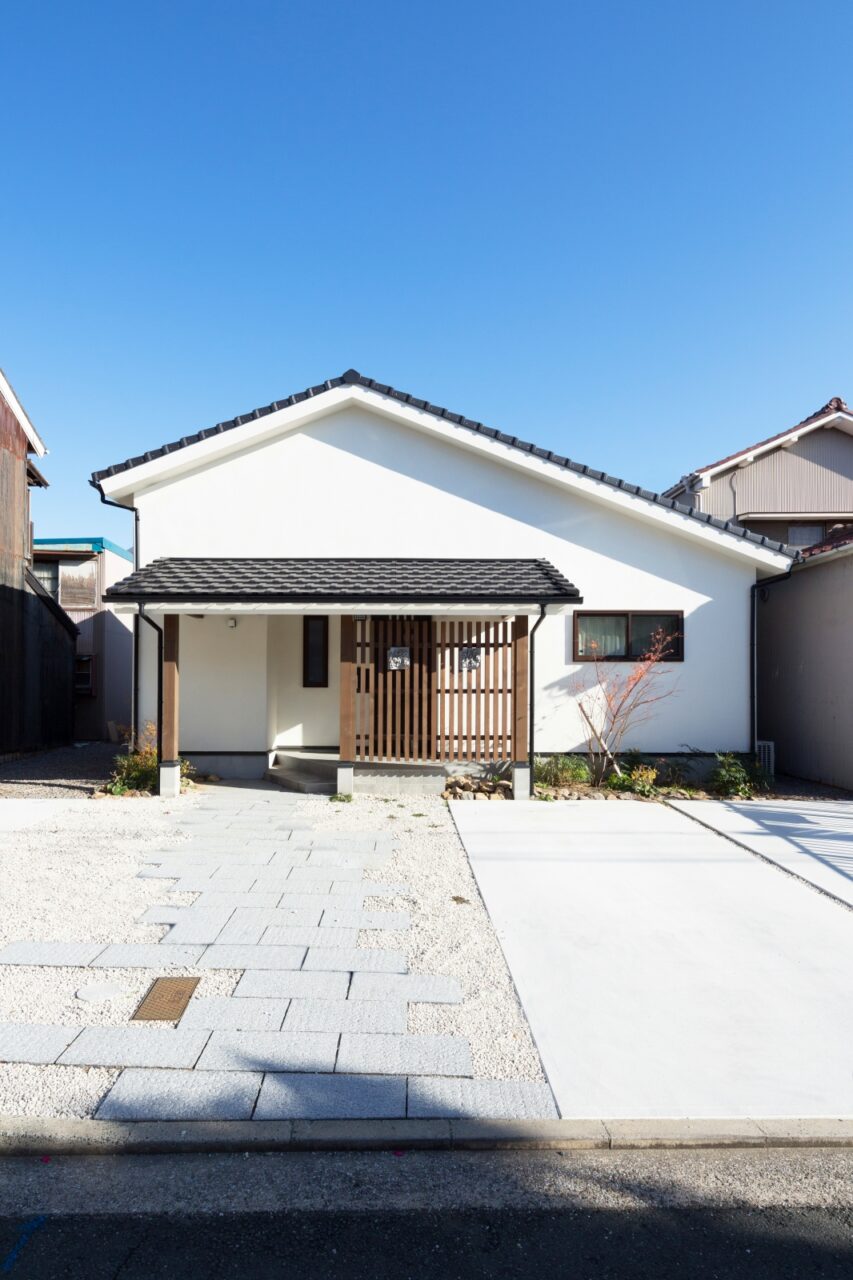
<point>418,815</point>
<point>138,770</point>
<point>560,771</point>
<point>340,798</point>
<point>732,777</point>
<point>640,780</point>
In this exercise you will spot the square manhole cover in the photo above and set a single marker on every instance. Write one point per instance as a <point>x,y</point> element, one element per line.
<point>165,1000</point>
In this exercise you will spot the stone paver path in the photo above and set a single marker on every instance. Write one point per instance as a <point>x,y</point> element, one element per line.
<point>316,1027</point>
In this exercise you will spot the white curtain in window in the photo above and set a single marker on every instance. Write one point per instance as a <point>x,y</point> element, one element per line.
<point>604,637</point>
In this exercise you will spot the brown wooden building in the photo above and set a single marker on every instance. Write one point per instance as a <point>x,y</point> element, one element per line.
<point>37,638</point>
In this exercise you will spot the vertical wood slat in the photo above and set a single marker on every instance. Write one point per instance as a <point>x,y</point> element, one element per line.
<point>380,689</point>
<point>478,693</point>
<point>405,681</point>
<point>170,728</point>
<point>347,725</point>
<point>426,678</point>
<point>520,729</point>
<point>451,701</point>
<point>439,670</point>
<point>432,744</point>
<point>487,698</point>
<point>504,690</point>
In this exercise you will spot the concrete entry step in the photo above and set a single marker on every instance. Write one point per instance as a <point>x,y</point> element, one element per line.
<point>308,772</point>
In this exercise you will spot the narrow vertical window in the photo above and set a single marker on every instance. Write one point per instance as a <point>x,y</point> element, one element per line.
<point>315,652</point>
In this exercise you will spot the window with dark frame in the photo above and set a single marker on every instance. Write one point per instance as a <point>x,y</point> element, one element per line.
<point>626,636</point>
<point>315,652</point>
<point>84,674</point>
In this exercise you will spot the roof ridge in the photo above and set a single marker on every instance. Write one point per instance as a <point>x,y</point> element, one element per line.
<point>352,377</point>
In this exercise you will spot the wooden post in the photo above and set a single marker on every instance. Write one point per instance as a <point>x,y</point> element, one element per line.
<point>520,743</point>
<point>347,726</point>
<point>171,717</point>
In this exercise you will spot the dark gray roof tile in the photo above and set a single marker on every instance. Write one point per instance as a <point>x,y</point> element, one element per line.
<point>346,581</point>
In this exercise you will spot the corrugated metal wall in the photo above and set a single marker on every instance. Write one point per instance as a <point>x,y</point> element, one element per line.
<point>812,476</point>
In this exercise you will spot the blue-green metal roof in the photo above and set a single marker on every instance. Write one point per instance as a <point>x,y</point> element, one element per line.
<point>95,545</point>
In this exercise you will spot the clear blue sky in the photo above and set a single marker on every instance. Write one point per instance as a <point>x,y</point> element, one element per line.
<point>622,230</point>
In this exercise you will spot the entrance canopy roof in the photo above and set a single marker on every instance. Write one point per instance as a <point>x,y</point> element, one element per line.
<point>201,585</point>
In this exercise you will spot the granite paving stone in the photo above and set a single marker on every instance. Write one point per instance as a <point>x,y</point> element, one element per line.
<point>292,983</point>
<point>241,881</point>
<point>50,953</point>
<point>255,898</point>
<point>425,988</point>
<point>321,901</point>
<point>233,956</point>
<point>147,955</point>
<point>181,1095</point>
<point>335,918</point>
<point>224,1013</point>
<point>199,924</point>
<point>270,879</point>
<point>306,936</point>
<point>378,889</point>
<point>404,1055</point>
<point>34,1042</point>
<point>337,1097</point>
<point>137,1046</point>
<point>354,959</point>
<point>378,1016</point>
<point>481,1099</point>
<point>246,925</point>
<point>269,1051</point>
<point>337,874</point>
<point>162,914</point>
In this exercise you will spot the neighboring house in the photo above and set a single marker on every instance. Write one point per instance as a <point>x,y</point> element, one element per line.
<point>76,572</point>
<point>37,638</point>
<point>805,698</point>
<point>796,487</point>
<point>359,571</point>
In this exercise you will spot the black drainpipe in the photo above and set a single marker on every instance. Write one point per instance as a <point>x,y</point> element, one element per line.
<point>108,502</point>
<point>753,647</point>
<point>144,616</point>
<point>532,691</point>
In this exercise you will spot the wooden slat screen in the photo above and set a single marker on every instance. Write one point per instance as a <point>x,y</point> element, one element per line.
<point>439,708</point>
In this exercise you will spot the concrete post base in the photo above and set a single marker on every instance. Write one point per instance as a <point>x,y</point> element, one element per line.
<point>521,782</point>
<point>345,779</point>
<point>170,779</point>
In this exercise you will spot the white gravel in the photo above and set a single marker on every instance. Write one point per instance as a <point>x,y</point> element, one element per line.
<point>448,936</point>
<point>71,875</point>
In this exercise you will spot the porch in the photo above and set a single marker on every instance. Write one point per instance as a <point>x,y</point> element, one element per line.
<point>361,674</point>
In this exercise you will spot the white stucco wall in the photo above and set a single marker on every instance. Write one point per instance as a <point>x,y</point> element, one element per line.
<point>357,484</point>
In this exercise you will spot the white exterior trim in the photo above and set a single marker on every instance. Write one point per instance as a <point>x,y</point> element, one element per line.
<point>838,418</point>
<point>129,484</point>
<point>39,448</point>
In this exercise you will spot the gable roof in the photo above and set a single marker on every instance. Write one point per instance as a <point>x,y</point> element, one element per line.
<point>352,378</point>
<point>827,414</point>
<point>346,581</point>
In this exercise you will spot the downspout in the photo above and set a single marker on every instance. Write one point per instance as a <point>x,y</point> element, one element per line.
<point>144,616</point>
<point>531,732</point>
<point>134,710</point>
<point>753,647</point>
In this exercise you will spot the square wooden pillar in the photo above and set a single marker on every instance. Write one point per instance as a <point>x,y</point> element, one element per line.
<point>347,714</point>
<point>170,769</point>
<point>520,690</point>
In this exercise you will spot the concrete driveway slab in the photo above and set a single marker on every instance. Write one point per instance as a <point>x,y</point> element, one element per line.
<point>813,839</point>
<point>665,971</point>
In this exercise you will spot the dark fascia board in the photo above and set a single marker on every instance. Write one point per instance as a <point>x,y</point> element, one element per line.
<point>353,378</point>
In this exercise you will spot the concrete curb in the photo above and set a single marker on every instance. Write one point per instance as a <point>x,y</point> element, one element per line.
<point>24,1136</point>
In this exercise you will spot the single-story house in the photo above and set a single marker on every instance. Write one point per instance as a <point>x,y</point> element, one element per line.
<point>805,693</point>
<point>358,571</point>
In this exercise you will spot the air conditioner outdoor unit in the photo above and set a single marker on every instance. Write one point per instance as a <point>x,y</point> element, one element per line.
<point>766,752</point>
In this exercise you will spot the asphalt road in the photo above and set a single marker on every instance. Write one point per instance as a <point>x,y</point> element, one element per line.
<point>430,1216</point>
